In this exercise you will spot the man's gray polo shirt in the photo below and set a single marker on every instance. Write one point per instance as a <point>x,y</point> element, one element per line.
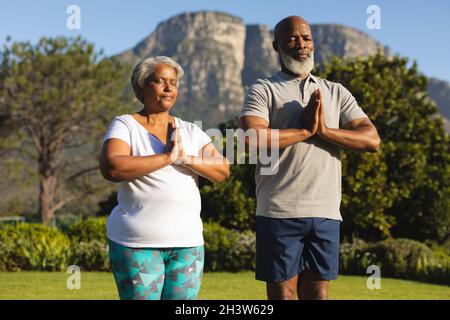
<point>308,181</point>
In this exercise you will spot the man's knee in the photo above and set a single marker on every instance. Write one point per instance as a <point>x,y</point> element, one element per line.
<point>311,287</point>
<point>319,293</point>
<point>286,290</point>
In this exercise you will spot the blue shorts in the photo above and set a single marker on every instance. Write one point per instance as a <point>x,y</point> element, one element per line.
<point>286,247</point>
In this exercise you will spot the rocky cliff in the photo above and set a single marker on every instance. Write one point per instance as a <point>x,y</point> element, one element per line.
<point>210,48</point>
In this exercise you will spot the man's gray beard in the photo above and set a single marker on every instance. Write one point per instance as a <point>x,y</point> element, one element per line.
<point>300,68</point>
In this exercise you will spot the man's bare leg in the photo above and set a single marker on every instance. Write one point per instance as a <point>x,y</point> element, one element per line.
<point>311,287</point>
<point>282,290</point>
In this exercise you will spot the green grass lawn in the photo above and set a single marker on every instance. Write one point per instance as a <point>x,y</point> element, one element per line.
<point>101,285</point>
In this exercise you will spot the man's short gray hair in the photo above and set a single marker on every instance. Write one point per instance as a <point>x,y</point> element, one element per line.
<point>145,69</point>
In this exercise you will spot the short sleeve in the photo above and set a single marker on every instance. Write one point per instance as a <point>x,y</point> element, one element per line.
<point>201,139</point>
<point>118,129</point>
<point>349,108</point>
<point>257,102</point>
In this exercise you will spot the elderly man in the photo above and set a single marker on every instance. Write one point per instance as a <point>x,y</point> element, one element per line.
<point>297,215</point>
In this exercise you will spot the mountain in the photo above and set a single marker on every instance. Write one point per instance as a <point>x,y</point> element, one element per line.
<point>439,91</point>
<point>210,48</point>
<point>221,57</point>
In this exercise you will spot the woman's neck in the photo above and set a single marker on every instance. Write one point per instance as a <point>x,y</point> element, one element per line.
<point>155,118</point>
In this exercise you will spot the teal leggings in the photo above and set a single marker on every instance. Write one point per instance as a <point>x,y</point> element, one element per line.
<point>157,273</point>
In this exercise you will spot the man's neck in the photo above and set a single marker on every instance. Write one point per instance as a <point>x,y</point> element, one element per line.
<point>302,77</point>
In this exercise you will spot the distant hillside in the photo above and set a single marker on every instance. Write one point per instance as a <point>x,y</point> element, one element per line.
<point>439,91</point>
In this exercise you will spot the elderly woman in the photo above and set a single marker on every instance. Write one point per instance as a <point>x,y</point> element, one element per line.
<point>155,232</point>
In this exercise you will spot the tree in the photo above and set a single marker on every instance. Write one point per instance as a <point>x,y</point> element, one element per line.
<point>56,99</point>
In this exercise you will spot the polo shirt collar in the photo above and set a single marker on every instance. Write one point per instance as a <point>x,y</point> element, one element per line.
<point>287,77</point>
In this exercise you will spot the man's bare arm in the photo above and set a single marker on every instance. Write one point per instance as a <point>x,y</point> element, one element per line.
<point>286,137</point>
<point>309,123</point>
<point>359,134</point>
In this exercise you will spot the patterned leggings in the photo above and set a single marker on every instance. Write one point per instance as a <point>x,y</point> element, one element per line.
<point>156,273</point>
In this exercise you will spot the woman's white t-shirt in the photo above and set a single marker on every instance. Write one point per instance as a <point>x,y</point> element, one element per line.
<point>162,208</point>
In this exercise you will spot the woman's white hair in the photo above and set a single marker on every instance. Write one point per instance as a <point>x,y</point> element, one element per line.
<point>145,69</point>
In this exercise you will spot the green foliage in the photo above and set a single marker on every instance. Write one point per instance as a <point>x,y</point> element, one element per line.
<point>397,258</point>
<point>400,258</point>
<point>353,257</point>
<point>92,255</point>
<point>87,230</point>
<point>36,247</point>
<point>407,184</point>
<point>226,203</point>
<point>435,270</point>
<point>229,250</point>
<point>33,247</point>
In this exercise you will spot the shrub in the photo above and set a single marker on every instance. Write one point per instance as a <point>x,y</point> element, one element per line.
<point>228,250</point>
<point>397,258</point>
<point>33,247</point>
<point>90,256</point>
<point>434,270</point>
<point>88,230</point>
<point>353,257</point>
<point>89,245</point>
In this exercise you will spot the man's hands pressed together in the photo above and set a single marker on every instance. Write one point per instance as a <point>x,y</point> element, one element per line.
<point>309,119</point>
<point>359,134</point>
<point>321,128</point>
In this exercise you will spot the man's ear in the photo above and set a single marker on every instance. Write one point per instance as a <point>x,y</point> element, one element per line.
<point>275,46</point>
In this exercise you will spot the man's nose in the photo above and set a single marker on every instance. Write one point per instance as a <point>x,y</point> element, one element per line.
<point>300,44</point>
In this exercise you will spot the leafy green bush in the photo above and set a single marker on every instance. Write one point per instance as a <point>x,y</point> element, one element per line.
<point>397,258</point>
<point>87,230</point>
<point>33,247</point>
<point>228,204</point>
<point>353,257</point>
<point>243,252</point>
<point>228,250</point>
<point>435,270</point>
<point>89,245</point>
<point>91,256</point>
<point>36,247</point>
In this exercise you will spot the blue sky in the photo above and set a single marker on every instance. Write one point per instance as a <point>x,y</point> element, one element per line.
<point>419,30</point>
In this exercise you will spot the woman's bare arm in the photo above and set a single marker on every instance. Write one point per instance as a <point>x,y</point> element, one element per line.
<point>210,164</point>
<point>116,163</point>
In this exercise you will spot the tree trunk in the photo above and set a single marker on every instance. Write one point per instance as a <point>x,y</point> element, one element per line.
<point>46,196</point>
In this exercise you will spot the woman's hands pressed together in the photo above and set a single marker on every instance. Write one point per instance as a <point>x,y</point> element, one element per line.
<point>175,147</point>
<point>209,164</point>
